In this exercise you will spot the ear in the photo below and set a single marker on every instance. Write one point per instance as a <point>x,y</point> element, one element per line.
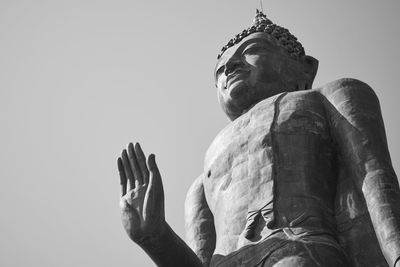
<point>310,68</point>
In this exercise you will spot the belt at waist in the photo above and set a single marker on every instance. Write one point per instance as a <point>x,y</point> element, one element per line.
<point>254,254</point>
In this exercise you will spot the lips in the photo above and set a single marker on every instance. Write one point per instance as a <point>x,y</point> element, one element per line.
<point>235,76</point>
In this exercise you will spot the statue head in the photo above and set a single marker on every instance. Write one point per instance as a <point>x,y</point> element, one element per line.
<point>262,61</point>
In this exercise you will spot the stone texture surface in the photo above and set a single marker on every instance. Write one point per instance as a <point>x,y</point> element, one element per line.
<point>302,161</point>
<point>300,177</point>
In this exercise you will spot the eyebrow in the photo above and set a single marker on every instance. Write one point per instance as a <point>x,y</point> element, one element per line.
<point>240,50</point>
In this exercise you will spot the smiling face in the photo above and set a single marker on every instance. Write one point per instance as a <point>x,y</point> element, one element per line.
<point>255,69</point>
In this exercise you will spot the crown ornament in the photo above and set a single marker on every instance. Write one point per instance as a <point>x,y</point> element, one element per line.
<point>262,24</point>
<point>261,19</point>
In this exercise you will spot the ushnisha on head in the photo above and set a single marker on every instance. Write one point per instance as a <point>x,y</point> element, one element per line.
<point>262,24</point>
<point>261,62</point>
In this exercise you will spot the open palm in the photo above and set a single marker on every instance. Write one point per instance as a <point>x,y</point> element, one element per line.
<point>142,194</point>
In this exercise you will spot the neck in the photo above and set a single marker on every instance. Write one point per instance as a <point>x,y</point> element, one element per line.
<point>299,86</point>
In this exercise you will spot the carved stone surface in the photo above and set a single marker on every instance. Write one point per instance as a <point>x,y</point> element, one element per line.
<point>284,175</point>
<point>300,177</point>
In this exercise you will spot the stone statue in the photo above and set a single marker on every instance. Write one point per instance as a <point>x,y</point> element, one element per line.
<point>300,177</point>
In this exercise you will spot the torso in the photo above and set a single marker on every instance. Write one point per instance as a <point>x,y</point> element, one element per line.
<point>277,157</point>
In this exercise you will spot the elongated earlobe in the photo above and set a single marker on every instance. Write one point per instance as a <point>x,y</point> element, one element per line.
<point>310,68</point>
<point>302,85</point>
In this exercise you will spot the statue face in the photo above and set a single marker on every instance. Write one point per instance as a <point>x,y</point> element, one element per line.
<point>253,70</point>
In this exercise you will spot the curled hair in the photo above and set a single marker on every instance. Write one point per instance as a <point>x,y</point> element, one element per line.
<point>261,24</point>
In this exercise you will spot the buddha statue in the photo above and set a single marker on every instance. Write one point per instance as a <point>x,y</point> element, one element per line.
<point>301,176</point>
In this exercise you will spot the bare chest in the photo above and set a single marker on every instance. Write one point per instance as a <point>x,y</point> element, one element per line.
<point>241,163</point>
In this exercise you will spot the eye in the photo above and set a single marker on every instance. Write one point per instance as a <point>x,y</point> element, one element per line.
<point>253,50</point>
<point>219,71</point>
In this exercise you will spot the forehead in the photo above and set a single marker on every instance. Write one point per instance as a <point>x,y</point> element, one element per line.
<point>257,37</point>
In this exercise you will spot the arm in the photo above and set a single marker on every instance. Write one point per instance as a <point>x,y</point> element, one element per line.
<point>142,211</point>
<point>357,127</point>
<point>199,223</point>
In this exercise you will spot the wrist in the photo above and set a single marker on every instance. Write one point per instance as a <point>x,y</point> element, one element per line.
<point>154,237</point>
<point>167,249</point>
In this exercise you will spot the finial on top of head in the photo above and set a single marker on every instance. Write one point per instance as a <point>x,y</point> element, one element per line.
<point>262,24</point>
<point>261,19</point>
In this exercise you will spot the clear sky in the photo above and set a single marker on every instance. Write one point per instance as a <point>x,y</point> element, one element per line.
<point>80,79</point>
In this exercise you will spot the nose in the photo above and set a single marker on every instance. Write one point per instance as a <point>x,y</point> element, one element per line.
<point>232,65</point>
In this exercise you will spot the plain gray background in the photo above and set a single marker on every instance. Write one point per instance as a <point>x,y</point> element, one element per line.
<point>80,79</point>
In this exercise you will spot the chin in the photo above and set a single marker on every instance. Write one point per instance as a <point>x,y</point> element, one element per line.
<point>238,90</point>
<point>237,99</point>
<point>240,99</point>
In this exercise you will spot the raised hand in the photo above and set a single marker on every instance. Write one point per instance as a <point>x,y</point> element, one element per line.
<point>142,195</point>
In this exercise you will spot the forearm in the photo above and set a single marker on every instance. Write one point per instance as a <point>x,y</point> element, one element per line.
<point>382,195</point>
<point>168,249</point>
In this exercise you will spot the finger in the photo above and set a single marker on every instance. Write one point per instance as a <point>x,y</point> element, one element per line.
<point>122,177</point>
<point>141,159</point>
<point>128,170</point>
<point>134,165</point>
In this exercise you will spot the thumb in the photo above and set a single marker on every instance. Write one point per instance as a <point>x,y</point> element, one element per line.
<point>155,177</point>
<point>154,198</point>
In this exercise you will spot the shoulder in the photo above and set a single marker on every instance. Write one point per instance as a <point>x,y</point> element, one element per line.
<point>195,191</point>
<point>345,89</point>
<point>197,184</point>
<point>350,98</point>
